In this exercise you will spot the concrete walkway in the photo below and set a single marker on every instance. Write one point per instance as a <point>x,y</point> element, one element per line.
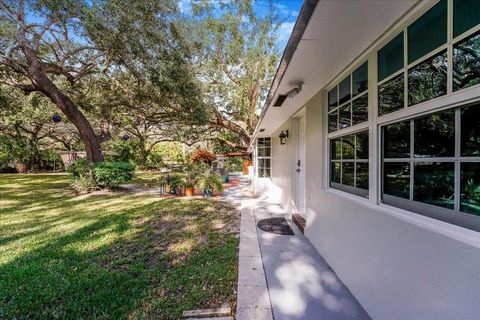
<point>284,277</point>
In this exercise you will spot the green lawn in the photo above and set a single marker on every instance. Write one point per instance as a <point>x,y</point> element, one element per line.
<point>111,256</point>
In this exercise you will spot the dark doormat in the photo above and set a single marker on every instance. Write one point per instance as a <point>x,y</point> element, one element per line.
<point>275,225</point>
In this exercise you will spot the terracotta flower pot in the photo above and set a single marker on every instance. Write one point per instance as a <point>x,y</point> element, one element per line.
<point>189,191</point>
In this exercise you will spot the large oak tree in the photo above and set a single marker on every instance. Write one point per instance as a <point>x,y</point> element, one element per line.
<point>62,49</point>
<point>236,60</point>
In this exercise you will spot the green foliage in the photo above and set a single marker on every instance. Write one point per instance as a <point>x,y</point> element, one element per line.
<point>124,150</point>
<point>229,34</point>
<point>16,151</point>
<point>472,190</point>
<point>175,181</point>
<point>210,181</point>
<point>188,183</point>
<point>103,174</point>
<point>79,169</point>
<point>84,184</point>
<point>200,168</point>
<point>112,174</point>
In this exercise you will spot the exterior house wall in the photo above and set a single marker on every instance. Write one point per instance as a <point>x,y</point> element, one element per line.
<point>398,264</point>
<point>279,187</point>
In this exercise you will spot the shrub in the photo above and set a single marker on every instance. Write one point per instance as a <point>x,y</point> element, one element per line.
<point>83,184</point>
<point>112,174</point>
<point>80,168</point>
<point>209,182</point>
<point>175,181</point>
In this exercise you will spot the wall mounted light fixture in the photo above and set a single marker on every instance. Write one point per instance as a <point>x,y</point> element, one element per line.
<point>296,89</point>
<point>283,137</point>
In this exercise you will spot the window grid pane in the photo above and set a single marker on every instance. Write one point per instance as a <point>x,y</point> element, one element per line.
<point>465,15</point>
<point>428,79</point>
<point>264,157</point>
<point>466,62</point>
<point>390,95</point>
<point>349,161</point>
<point>428,32</point>
<point>390,57</point>
<point>340,106</point>
<point>432,181</point>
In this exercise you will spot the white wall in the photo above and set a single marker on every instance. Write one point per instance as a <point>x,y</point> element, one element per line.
<point>282,156</point>
<point>398,264</point>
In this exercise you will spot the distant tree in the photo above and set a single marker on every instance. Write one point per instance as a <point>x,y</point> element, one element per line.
<point>150,116</point>
<point>236,57</point>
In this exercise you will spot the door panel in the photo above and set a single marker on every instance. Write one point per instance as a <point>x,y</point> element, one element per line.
<point>300,165</point>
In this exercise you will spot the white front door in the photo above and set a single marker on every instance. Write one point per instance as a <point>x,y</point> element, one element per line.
<point>300,165</point>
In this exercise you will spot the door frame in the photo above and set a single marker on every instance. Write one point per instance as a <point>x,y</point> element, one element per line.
<point>295,156</point>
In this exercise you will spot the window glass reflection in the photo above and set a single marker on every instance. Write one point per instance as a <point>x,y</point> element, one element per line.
<point>396,140</point>
<point>390,57</point>
<point>434,184</point>
<point>344,91</point>
<point>470,188</point>
<point>332,99</point>
<point>345,116</point>
<point>361,177</point>
<point>470,133</point>
<point>428,32</point>
<point>335,175</point>
<point>336,148</point>
<point>348,147</point>
<point>360,79</point>
<point>332,121</point>
<point>435,135</point>
<point>396,179</point>
<point>390,95</point>
<point>348,173</point>
<point>466,63</point>
<point>264,152</point>
<point>428,80</point>
<point>360,109</point>
<point>362,145</point>
<point>465,15</point>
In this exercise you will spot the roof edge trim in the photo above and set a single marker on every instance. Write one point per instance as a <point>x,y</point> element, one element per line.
<point>300,25</point>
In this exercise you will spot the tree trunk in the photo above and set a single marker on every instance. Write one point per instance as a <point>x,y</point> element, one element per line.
<point>35,154</point>
<point>87,135</point>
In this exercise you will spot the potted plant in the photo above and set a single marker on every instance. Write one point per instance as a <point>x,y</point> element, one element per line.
<point>189,188</point>
<point>167,184</point>
<point>175,182</point>
<point>208,182</point>
<point>224,173</point>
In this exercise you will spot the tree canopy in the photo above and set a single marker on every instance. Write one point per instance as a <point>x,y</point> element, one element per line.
<point>144,69</point>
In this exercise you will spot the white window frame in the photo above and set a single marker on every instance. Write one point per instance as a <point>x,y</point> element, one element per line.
<point>339,186</point>
<point>454,216</point>
<point>263,157</point>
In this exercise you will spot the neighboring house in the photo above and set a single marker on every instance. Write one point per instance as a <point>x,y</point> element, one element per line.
<point>377,145</point>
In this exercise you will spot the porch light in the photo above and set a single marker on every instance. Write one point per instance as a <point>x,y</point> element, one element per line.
<point>283,137</point>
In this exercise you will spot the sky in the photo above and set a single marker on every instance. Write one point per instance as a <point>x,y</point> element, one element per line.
<point>287,10</point>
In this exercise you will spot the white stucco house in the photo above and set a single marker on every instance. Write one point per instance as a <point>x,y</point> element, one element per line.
<point>371,131</point>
